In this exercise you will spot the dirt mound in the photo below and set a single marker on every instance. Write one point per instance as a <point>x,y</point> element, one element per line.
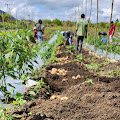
<point>78,95</point>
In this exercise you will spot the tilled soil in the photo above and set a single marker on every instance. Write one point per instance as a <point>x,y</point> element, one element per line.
<point>84,100</point>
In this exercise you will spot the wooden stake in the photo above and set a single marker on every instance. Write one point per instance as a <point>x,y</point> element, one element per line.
<point>16,21</point>
<point>3,21</point>
<point>89,24</point>
<point>86,11</point>
<point>109,29</point>
<point>96,29</point>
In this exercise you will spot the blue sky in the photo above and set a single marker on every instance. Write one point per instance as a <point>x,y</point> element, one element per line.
<point>61,9</point>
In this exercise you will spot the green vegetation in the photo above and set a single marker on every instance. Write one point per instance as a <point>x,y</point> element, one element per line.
<point>93,66</point>
<point>102,45</point>
<point>48,53</point>
<point>89,81</point>
<point>16,54</point>
<point>116,72</point>
<point>80,57</point>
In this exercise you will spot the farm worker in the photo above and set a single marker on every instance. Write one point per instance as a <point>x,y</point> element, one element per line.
<point>81,32</point>
<point>43,29</point>
<point>104,39</point>
<point>68,37</point>
<point>40,31</point>
<point>35,32</point>
<point>112,30</point>
<point>63,34</point>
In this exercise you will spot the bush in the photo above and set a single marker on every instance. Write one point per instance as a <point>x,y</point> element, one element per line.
<point>103,24</point>
<point>107,25</point>
<point>57,22</point>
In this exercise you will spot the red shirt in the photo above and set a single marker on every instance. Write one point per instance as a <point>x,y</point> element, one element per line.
<point>35,31</point>
<point>112,28</point>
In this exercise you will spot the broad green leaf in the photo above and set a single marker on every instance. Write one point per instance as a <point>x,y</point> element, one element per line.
<point>32,92</point>
<point>18,94</point>
<point>10,35</point>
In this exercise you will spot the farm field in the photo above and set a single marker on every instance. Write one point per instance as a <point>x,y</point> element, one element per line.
<point>43,73</point>
<point>71,86</point>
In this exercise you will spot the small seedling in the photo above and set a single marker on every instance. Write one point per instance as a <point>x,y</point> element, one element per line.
<point>88,81</point>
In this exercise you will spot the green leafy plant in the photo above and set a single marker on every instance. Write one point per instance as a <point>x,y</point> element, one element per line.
<point>19,99</point>
<point>104,64</point>
<point>40,84</point>
<point>116,72</point>
<point>4,114</point>
<point>15,56</point>
<point>114,48</point>
<point>89,81</point>
<point>80,57</point>
<point>93,66</point>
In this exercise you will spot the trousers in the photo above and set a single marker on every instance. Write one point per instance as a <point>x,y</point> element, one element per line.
<point>79,39</point>
<point>40,37</point>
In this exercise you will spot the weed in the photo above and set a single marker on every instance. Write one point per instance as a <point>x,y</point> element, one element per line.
<point>89,81</point>
<point>93,66</point>
<point>80,57</point>
<point>19,99</point>
<point>104,64</point>
<point>116,72</point>
<point>69,51</point>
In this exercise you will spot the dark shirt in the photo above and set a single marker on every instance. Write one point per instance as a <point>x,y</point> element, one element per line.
<point>38,27</point>
<point>68,33</point>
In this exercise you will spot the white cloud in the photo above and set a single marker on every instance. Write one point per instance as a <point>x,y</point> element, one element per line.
<point>62,9</point>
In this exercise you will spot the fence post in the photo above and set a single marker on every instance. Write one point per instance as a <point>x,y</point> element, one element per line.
<point>109,29</point>
<point>89,24</point>
<point>96,29</point>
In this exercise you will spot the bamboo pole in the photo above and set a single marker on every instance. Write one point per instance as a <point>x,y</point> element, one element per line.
<point>82,6</point>
<point>89,24</point>
<point>11,21</point>
<point>96,29</point>
<point>16,21</point>
<point>86,11</point>
<point>3,21</point>
<point>7,13</point>
<point>109,29</point>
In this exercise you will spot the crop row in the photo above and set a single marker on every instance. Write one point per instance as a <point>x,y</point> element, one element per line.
<point>114,48</point>
<point>16,54</point>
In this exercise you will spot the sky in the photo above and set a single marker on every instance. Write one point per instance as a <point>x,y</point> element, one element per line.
<point>61,9</point>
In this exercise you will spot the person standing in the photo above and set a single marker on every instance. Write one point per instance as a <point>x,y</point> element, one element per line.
<point>81,32</point>
<point>112,30</point>
<point>40,31</point>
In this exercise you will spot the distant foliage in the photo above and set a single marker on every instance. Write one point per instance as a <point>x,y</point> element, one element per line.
<point>57,22</point>
<point>102,24</point>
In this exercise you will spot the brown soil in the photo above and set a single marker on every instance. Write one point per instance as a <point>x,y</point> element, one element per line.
<point>75,98</point>
<point>45,37</point>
